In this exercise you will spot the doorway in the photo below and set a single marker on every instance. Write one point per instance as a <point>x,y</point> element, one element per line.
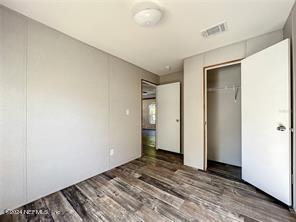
<point>148,97</point>
<point>223,120</point>
<point>161,117</point>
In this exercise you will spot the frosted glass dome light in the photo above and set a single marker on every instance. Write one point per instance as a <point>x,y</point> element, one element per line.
<point>148,17</point>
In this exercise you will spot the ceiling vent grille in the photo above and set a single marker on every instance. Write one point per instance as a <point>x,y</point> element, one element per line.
<point>215,29</point>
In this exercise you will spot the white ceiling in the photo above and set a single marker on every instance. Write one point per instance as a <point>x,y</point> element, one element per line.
<point>108,25</point>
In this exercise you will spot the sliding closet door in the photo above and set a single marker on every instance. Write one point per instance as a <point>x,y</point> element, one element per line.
<point>266,121</point>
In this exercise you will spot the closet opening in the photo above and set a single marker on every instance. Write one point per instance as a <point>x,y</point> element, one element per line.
<point>223,120</point>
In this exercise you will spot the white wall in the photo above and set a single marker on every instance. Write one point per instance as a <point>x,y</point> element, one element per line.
<point>290,32</point>
<point>63,107</point>
<point>194,90</point>
<point>172,77</point>
<point>224,116</point>
<point>12,109</point>
<point>193,112</point>
<point>67,114</point>
<point>125,94</point>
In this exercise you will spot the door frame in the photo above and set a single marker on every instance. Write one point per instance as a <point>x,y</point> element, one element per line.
<point>150,83</point>
<point>205,111</point>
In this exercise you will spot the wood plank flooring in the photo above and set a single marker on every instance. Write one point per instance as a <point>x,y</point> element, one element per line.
<point>157,187</point>
<point>149,137</point>
<point>224,170</point>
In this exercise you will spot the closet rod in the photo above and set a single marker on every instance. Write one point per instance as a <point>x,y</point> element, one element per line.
<point>224,88</point>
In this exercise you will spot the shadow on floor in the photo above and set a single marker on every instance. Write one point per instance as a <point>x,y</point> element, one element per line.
<point>224,170</point>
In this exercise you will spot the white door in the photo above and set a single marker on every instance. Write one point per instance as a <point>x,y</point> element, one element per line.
<point>168,117</point>
<point>266,121</point>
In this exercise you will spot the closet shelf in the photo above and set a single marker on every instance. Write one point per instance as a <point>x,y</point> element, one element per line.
<point>224,88</point>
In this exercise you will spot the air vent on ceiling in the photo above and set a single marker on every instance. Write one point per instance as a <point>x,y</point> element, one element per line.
<point>215,29</point>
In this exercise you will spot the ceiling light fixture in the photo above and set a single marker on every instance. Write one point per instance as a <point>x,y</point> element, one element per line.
<point>147,13</point>
<point>168,67</point>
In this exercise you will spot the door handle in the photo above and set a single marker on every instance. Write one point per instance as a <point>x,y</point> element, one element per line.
<point>281,128</point>
<point>177,120</point>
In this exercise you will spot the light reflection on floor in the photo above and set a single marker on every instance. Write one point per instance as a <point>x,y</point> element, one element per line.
<point>149,137</point>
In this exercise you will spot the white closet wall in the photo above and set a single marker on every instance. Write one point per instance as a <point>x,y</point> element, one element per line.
<point>224,115</point>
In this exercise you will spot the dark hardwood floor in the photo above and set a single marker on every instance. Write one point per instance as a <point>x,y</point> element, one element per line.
<point>149,137</point>
<point>224,170</point>
<point>157,187</point>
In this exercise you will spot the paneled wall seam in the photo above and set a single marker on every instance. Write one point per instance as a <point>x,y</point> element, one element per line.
<point>26,110</point>
<point>203,114</point>
<point>109,109</point>
<point>1,103</point>
<point>293,17</point>
<point>246,47</point>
